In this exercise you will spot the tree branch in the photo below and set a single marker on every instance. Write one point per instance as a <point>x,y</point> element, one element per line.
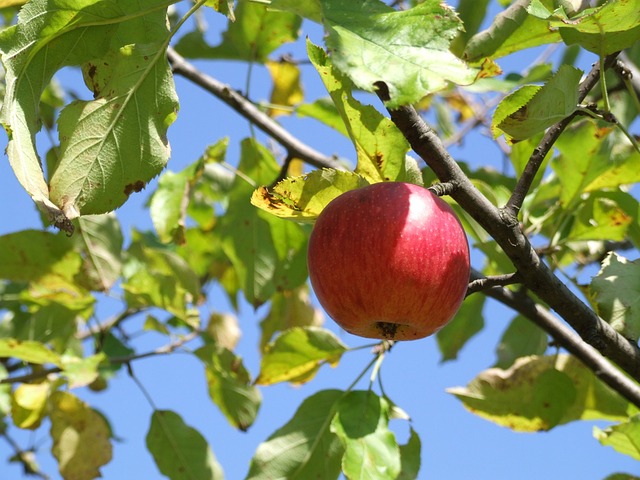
<point>551,135</point>
<point>480,282</point>
<point>244,107</point>
<point>506,231</point>
<point>566,339</point>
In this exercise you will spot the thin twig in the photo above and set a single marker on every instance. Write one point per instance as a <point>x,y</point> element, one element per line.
<point>551,135</point>
<point>483,283</point>
<point>247,109</point>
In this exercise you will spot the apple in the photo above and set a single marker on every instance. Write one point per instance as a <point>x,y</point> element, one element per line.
<point>389,261</point>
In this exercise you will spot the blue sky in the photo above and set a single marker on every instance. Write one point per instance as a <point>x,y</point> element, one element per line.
<point>456,445</point>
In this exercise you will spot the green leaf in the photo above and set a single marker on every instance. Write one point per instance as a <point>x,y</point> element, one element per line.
<point>521,338</point>
<point>622,476</point>
<point>157,277</point>
<point>624,437</point>
<point>304,447</point>
<point>325,111</point>
<point>310,9</point>
<point>28,404</point>
<point>80,372</point>
<point>48,36</point>
<point>467,322</point>
<point>168,205</point>
<point>101,242</point>
<point>380,147</point>
<point>557,99</point>
<point>28,351</point>
<point>539,393</point>
<point>303,198</point>
<point>180,451</point>
<point>255,32</point>
<point>609,28</point>
<point>407,50</point>
<point>297,354</point>
<point>362,424</point>
<point>599,218</point>
<point>81,437</point>
<point>268,254</point>
<point>471,13</point>
<point>135,102</point>
<point>512,30</point>
<point>410,457</point>
<point>230,385</point>
<point>287,310</point>
<point>615,290</point>
<point>30,255</point>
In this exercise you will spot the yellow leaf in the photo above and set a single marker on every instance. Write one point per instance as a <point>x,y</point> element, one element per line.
<point>28,404</point>
<point>287,90</point>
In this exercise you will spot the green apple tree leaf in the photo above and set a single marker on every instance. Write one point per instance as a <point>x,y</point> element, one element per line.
<point>600,218</point>
<point>512,30</point>
<point>623,437</point>
<point>326,112</point>
<point>605,29</point>
<point>29,404</point>
<point>81,437</point>
<point>287,310</point>
<point>555,100</point>
<point>29,351</point>
<point>255,31</point>
<point>615,291</point>
<point>157,277</point>
<point>410,457</point>
<point>230,385</point>
<point>180,451</point>
<point>407,50</point>
<point>81,371</point>
<point>521,338</point>
<point>268,254</point>
<point>311,9</point>
<point>304,447</point>
<point>101,242</point>
<point>297,354</point>
<point>362,424</point>
<point>303,198</point>
<point>539,393</point>
<point>380,147</point>
<point>467,322</point>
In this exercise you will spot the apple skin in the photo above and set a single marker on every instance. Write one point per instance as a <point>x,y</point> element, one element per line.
<point>389,261</point>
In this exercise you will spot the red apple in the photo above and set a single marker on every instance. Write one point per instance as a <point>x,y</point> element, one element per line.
<point>389,261</point>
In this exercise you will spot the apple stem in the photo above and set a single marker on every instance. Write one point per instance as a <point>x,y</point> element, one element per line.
<point>444,188</point>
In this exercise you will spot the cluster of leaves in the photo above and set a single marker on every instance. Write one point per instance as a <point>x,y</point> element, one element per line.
<point>216,222</point>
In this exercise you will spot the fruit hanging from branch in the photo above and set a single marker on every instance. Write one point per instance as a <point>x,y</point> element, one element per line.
<point>389,261</point>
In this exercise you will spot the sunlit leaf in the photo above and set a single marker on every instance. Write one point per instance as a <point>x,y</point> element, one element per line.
<point>289,309</point>
<point>101,241</point>
<point>325,111</point>
<point>624,437</point>
<point>380,147</point>
<point>81,437</point>
<point>267,253</point>
<point>304,447</point>
<point>224,330</point>
<point>362,424</point>
<point>303,198</point>
<point>180,451</point>
<point>256,32</point>
<point>555,100</point>
<point>538,393</point>
<point>297,354</point>
<point>616,293</point>
<point>230,385</point>
<point>407,50</point>
<point>512,30</point>
<point>28,351</point>
<point>287,90</point>
<point>600,218</point>
<point>28,404</point>
<point>80,372</point>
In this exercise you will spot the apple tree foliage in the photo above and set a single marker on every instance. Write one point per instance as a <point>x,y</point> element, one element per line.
<point>554,233</point>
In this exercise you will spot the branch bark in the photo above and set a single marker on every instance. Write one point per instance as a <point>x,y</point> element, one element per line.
<point>295,148</point>
<point>505,229</point>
